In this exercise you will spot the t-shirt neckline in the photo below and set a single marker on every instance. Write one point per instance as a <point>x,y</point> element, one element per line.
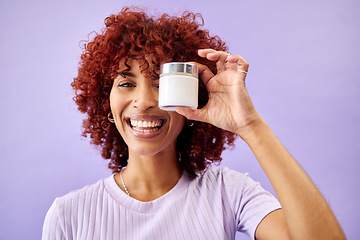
<point>146,207</point>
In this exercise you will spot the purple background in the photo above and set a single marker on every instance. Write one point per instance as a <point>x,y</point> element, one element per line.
<point>303,79</point>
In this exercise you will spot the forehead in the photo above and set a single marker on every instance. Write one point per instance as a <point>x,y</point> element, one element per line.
<point>142,63</point>
<point>127,64</point>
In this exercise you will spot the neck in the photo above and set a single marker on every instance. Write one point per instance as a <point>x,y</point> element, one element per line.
<point>149,177</point>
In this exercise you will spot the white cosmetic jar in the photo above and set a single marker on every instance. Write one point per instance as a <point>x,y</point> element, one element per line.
<point>178,86</point>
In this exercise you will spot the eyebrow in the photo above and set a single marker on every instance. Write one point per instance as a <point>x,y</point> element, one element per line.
<point>131,74</point>
<point>127,74</point>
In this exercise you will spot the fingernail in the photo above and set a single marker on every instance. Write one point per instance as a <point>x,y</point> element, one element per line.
<point>179,111</point>
<point>229,55</point>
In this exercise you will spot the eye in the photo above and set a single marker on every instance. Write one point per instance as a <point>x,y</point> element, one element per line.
<point>126,85</point>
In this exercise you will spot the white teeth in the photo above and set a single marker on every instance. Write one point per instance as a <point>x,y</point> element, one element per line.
<point>145,124</point>
<point>146,130</point>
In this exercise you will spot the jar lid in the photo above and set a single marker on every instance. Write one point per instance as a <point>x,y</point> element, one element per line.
<point>179,67</point>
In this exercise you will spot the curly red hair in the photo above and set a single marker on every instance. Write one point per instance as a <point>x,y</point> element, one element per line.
<point>133,34</point>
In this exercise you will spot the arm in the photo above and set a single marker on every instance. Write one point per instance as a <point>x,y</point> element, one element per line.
<point>305,213</point>
<point>53,227</point>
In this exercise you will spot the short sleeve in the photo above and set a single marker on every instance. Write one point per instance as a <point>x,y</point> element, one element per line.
<point>250,202</point>
<point>53,227</point>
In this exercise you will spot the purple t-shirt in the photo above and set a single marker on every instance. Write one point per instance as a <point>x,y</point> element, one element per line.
<point>214,205</point>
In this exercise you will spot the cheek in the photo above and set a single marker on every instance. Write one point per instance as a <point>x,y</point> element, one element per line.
<point>117,103</point>
<point>113,105</point>
<point>179,122</point>
<point>113,100</point>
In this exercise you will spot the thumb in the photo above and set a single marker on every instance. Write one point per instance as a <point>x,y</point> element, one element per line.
<point>191,114</point>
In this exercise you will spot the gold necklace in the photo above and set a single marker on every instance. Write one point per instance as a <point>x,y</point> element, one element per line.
<point>127,192</point>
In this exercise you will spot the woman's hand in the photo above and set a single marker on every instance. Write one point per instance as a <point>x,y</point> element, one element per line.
<point>229,106</point>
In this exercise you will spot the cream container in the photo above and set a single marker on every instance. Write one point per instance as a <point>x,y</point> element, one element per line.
<point>178,86</point>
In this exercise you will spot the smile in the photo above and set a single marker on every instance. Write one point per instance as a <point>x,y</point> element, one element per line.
<point>144,126</point>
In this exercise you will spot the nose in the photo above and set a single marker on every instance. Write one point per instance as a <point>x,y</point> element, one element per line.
<point>146,97</point>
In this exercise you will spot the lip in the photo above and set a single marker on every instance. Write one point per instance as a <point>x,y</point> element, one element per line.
<point>148,118</point>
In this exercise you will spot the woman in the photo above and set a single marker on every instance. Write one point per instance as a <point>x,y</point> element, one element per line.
<point>162,187</point>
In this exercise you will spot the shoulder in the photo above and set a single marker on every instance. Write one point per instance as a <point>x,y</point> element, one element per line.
<point>224,176</point>
<point>248,201</point>
<point>58,222</point>
<point>79,199</point>
<point>238,188</point>
<point>224,182</point>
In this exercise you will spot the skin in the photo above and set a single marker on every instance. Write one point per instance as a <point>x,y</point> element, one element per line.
<point>230,108</point>
<point>305,213</point>
<point>152,168</point>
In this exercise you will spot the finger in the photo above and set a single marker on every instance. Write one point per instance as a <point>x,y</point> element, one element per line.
<point>230,64</point>
<point>205,73</point>
<point>210,54</point>
<point>192,114</point>
<point>204,52</point>
<point>213,55</point>
<point>220,58</point>
<point>241,65</point>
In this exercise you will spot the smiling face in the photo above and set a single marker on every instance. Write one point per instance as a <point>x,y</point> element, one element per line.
<point>145,128</point>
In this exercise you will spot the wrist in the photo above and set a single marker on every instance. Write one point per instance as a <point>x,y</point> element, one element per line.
<point>254,131</point>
